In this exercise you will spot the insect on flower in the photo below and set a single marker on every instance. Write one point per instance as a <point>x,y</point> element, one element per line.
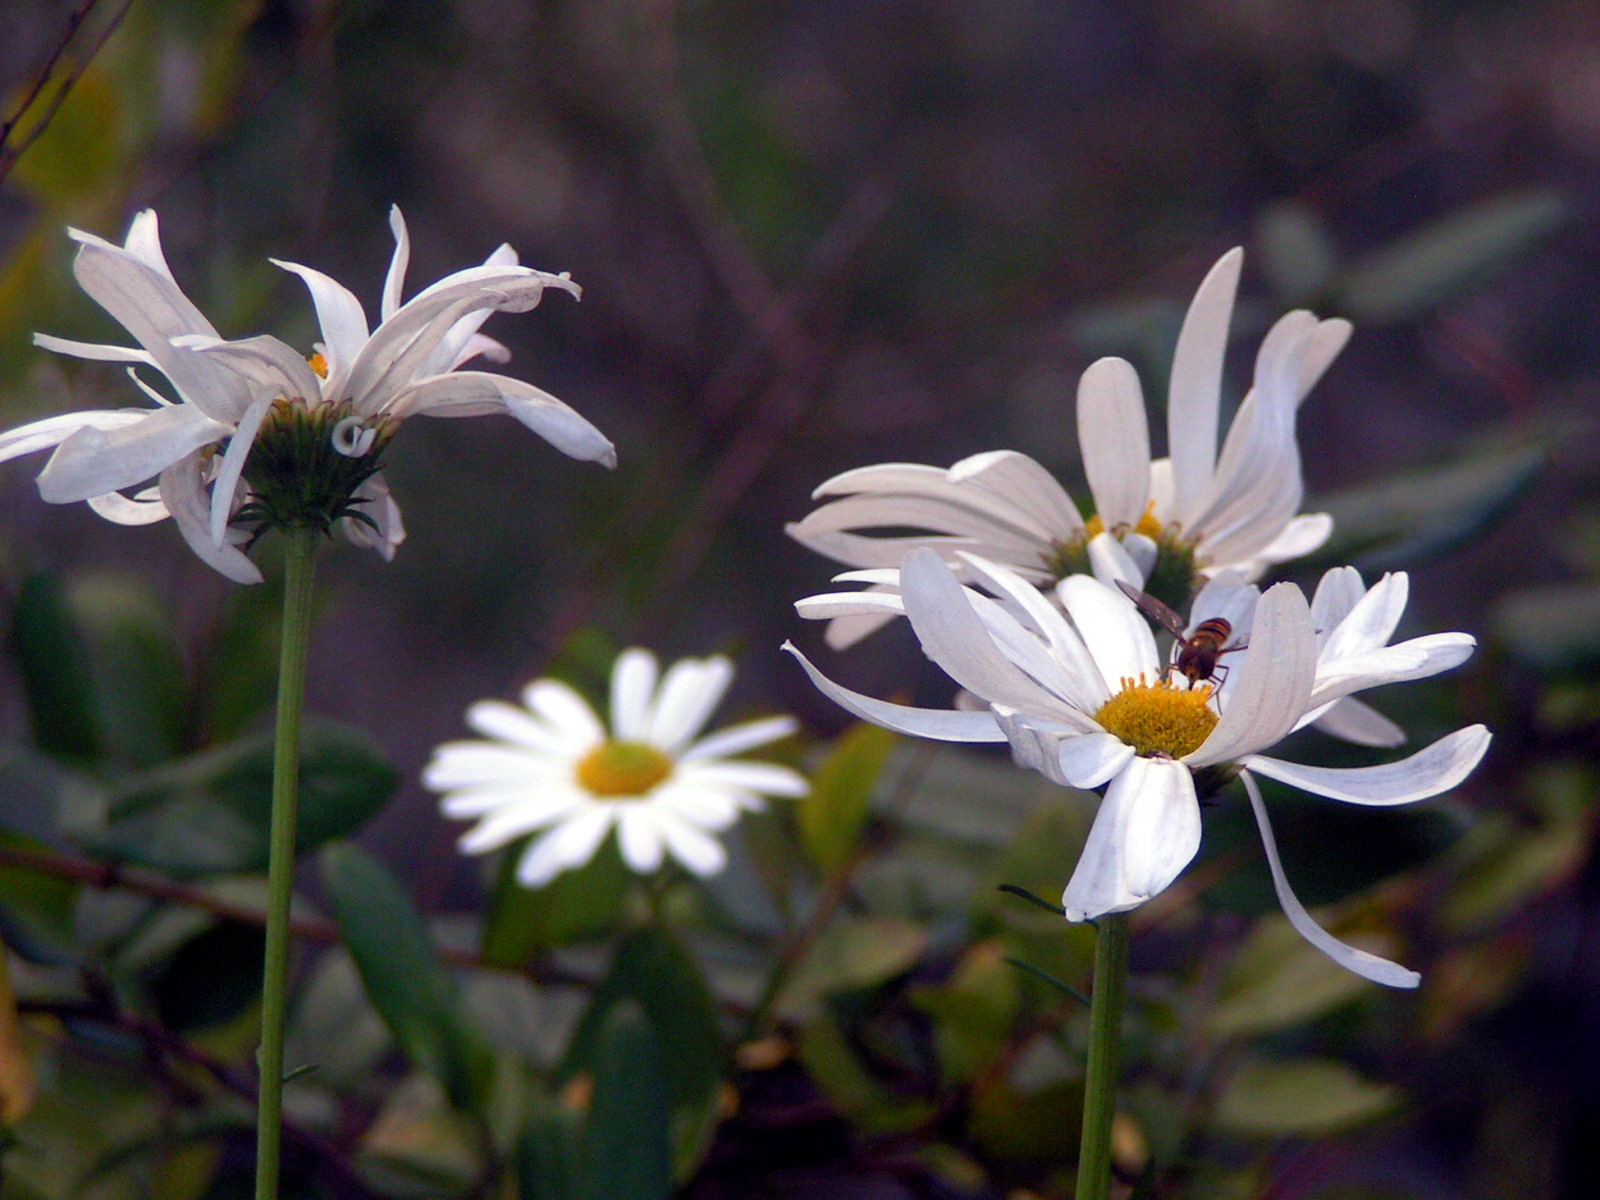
<point>1197,653</point>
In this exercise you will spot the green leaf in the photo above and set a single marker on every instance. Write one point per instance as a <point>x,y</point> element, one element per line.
<point>1403,520</point>
<point>1279,980</point>
<point>851,953</point>
<point>210,813</point>
<point>53,659</point>
<point>652,969</point>
<point>37,910</point>
<point>973,1011</point>
<point>79,154</point>
<point>548,1158</point>
<point>1296,252</point>
<point>1448,258</point>
<point>212,978</point>
<point>1306,1097</point>
<point>404,978</point>
<point>1552,627</point>
<point>575,906</point>
<point>835,1067</point>
<point>628,1137</point>
<point>140,690</point>
<point>833,815</point>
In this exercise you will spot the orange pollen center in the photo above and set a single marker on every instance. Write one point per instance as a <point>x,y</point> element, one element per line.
<point>622,769</point>
<point>319,364</point>
<point>1163,718</point>
<point>1147,525</point>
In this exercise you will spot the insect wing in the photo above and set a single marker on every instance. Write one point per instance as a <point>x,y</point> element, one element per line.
<point>1154,609</point>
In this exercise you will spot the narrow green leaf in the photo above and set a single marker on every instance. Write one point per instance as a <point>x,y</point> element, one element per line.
<point>1552,627</point>
<point>1401,520</point>
<point>628,1137</point>
<point>852,953</point>
<point>548,1158</point>
<point>54,662</point>
<point>834,814</point>
<point>1279,980</point>
<point>1300,1097</point>
<point>209,813</point>
<point>1448,258</point>
<point>653,970</point>
<point>404,978</point>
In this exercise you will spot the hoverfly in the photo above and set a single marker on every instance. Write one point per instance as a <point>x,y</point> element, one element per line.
<point>1198,653</point>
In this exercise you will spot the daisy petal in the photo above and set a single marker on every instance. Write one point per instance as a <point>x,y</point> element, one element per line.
<point>1146,831</point>
<point>129,510</point>
<point>395,281</point>
<point>943,725</point>
<point>95,459</point>
<point>1352,721</point>
<point>1090,759</point>
<point>478,393</point>
<point>689,693</point>
<point>639,830</point>
<point>184,495</point>
<point>763,779</point>
<point>567,711</point>
<point>339,313</point>
<point>1116,441</point>
<point>570,844</point>
<point>1115,633</point>
<point>736,739</point>
<point>1196,385</point>
<point>1368,966</point>
<point>701,854</point>
<point>52,431</point>
<point>1428,772</point>
<point>633,682</point>
<point>1111,562</point>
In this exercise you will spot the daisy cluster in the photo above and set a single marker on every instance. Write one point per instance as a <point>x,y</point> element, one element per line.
<point>1040,614</point>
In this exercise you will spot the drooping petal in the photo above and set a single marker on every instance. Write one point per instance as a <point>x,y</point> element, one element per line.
<point>99,457</point>
<point>1428,772</point>
<point>1195,390</point>
<point>1368,966</point>
<point>478,393</point>
<point>700,853</point>
<point>1302,535</point>
<point>93,350</point>
<point>1091,759</point>
<point>570,844</point>
<point>52,431</point>
<point>954,637</point>
<point>144,509</point>
<point>1146,831</point>
<point>1274,686</point>
<point>377,503</point>
<point>1352,721</point>
<point>633,683</point>
<point>1115,437</point>
<point>226,484</point>
<point>943,725</point>
<point>184,494</point>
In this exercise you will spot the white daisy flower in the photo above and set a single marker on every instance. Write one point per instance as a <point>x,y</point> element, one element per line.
<point>99,454</point>
<point>278,419</point>
<point>1082,697</point>
<point>1156,523</point>
<point>552,765</point>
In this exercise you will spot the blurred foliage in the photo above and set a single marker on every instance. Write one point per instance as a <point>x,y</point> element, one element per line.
<point>811,238</point>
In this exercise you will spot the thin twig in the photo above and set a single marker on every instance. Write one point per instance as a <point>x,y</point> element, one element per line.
<point>10,152</point>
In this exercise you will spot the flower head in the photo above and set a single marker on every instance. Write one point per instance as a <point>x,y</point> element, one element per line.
<point>1158,524</point>
<point>264,437</point>
<point>1082,697</point>
<point>552,765</point>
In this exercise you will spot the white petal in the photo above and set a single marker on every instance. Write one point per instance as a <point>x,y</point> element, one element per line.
<point>130,510</point>
<point>944,725</point>
<point>1075,676</point>
<point>339,313</point>
<point>699,852</point>
<point>478,393</point>
<point>1115,436</point>
<point>144,241</point>
<point>570,844</point>
<point>184,495</point>
<point>1338,591</point>
<point>872,602</point>
<point>764,779</point>
<point>1330,338</point>
<point>486,764</point>
<point>93,350</point>
<point>690,692</point>
<point>259,362</point>
<point>707,807</point>
<point>395,281</point>
<point>1091,759</point>
<point>1371,623</point>
<point>1352,721</point>
<point>736,739</point>
<point>567,711</point>
<point>1113,630</point>
<point>1023,483</point>
<point>1302,535</point>
<point>639,837</point>
<point>1434,769</point>
<point>1417,658</point>
<point>954,637</point>
<point>94,460</point>
<point>1274,687</point>
<point>509,822</point>
<point>508,723</point>
<point>633,682</point>
<point>52,431</point>
<point>1225,595</point>
<point>1196,385</point>
<point>380,506</point>
<point>1368,966</point>
<point>226,484</point>
<point>1146,831</point>
<point>1111,563</point>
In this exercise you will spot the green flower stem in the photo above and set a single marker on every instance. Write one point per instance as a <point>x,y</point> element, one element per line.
<point>299,569</point>
<point>1105,1032</point>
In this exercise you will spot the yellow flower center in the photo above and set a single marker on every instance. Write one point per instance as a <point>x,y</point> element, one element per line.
<point>622,769</point>
<point>319,364</point>
<point>1147,525</point>
<point>1159,718</point>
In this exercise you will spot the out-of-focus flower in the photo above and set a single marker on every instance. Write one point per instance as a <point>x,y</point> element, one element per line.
<point>552,765</point>
<point>1082,697</point>
<point>1157,524</point>
<point>301,441</point>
